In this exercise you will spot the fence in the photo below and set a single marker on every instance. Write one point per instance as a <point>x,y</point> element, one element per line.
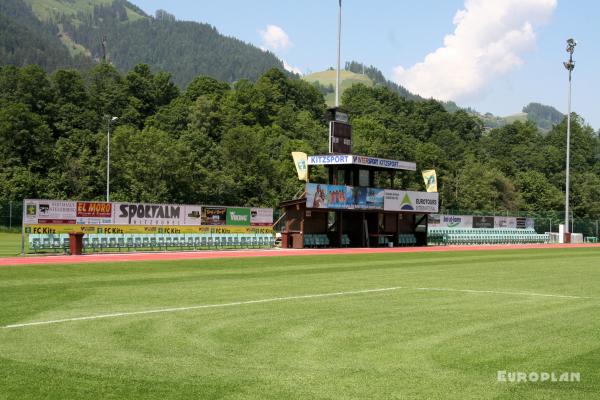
<point>11,213</point>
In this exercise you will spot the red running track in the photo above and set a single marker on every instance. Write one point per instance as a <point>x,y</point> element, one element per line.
<point>207,254</point>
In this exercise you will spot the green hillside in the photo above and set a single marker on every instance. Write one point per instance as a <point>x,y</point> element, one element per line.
<point>68,34</point>
<point>326,80</point>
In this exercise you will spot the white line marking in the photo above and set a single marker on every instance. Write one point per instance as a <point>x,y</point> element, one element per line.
<point>299,297</point>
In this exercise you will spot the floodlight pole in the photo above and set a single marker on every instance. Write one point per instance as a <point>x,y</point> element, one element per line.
<point>569,65</point>
<point>337,74</point>
<point>109,119</point>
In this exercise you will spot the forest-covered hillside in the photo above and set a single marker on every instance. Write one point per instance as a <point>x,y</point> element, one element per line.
<point>230,144</point>
<point>59,33</point>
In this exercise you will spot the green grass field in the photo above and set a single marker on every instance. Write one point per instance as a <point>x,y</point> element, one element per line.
<point>450,322</point>
<point>10,244</point>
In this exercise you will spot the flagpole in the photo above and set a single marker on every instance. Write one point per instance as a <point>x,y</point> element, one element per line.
<point>337,75</point>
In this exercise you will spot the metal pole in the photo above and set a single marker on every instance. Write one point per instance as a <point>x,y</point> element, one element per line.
<point>569,65</point>
<point>568,158</point>
<point>337,74</point>
<point>9,215</point>
<point>23,230</point>
<point>108,164</point>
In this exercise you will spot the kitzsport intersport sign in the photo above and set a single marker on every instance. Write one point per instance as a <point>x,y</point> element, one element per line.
<point>66,212</point>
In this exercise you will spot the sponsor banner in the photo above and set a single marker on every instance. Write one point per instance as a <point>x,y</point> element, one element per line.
<point>327,196</point>
<point>468,221</point>
<point>529,223</point>
<point>400,200</point>
<point>148,214</point>
<point>483,222</point>
<point>261,216</point>
<point>505,222</point>
<point>450,221</point>
<point>50,211</point>
<point>127,229</point>
<point>343,197</point>
<point>238,216</point>
<point>94,210</point>
<point>341,159</point>
<point>213,215</point>
<point>192,215</point>
<point>368,198</point>
<point>93,213</point>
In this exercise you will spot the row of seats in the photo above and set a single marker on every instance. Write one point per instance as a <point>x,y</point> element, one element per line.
<point>475,236</point>
<point>153,241</point>
<point>406,239</point>
<point>437,230</point>
<point>316,240</point>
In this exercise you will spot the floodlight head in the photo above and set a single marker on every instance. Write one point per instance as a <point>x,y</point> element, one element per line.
<point>571,43</point>
<point>114,118</point>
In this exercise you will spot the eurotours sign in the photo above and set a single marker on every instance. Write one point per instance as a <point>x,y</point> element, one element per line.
<point>407,201</point>
<point>65,212</point>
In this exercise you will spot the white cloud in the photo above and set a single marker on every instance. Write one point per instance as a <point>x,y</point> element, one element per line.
<point>275,38</point>
<point>489,37</point>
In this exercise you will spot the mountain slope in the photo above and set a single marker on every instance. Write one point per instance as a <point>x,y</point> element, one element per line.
<point>69,33</point>
<point>26,40</point>
<point>325,81</point>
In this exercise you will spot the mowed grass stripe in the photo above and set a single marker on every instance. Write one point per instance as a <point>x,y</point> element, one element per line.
<point>287,298</point>
<point>395,344</point>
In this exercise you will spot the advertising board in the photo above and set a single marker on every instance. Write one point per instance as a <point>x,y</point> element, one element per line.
<point>407,201</point>
<point>261,216</point>
<point>148,214</point>
<point>213,215</point>
<point>49,212</point>
<point>505,222</point>
<point>450,221</point>
<point>237,216</point>
<point>343,197</point>
<point>483,222</point>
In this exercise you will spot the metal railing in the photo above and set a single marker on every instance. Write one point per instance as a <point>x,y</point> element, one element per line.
<point>11,213</point>
<point>544,221</point>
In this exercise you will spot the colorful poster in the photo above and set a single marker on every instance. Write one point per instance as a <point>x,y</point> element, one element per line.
<point>261,216</point>
<point>399,200</point>
<point>213,215</point>
<point>368,198</point>
<point>329,196</point>
<point>238,216</point>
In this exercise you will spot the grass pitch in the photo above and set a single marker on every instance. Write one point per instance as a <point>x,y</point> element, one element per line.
<point>457,319</point>
<point>10,244</point>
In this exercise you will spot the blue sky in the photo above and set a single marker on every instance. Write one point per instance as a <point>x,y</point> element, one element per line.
<point>501,54</point>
